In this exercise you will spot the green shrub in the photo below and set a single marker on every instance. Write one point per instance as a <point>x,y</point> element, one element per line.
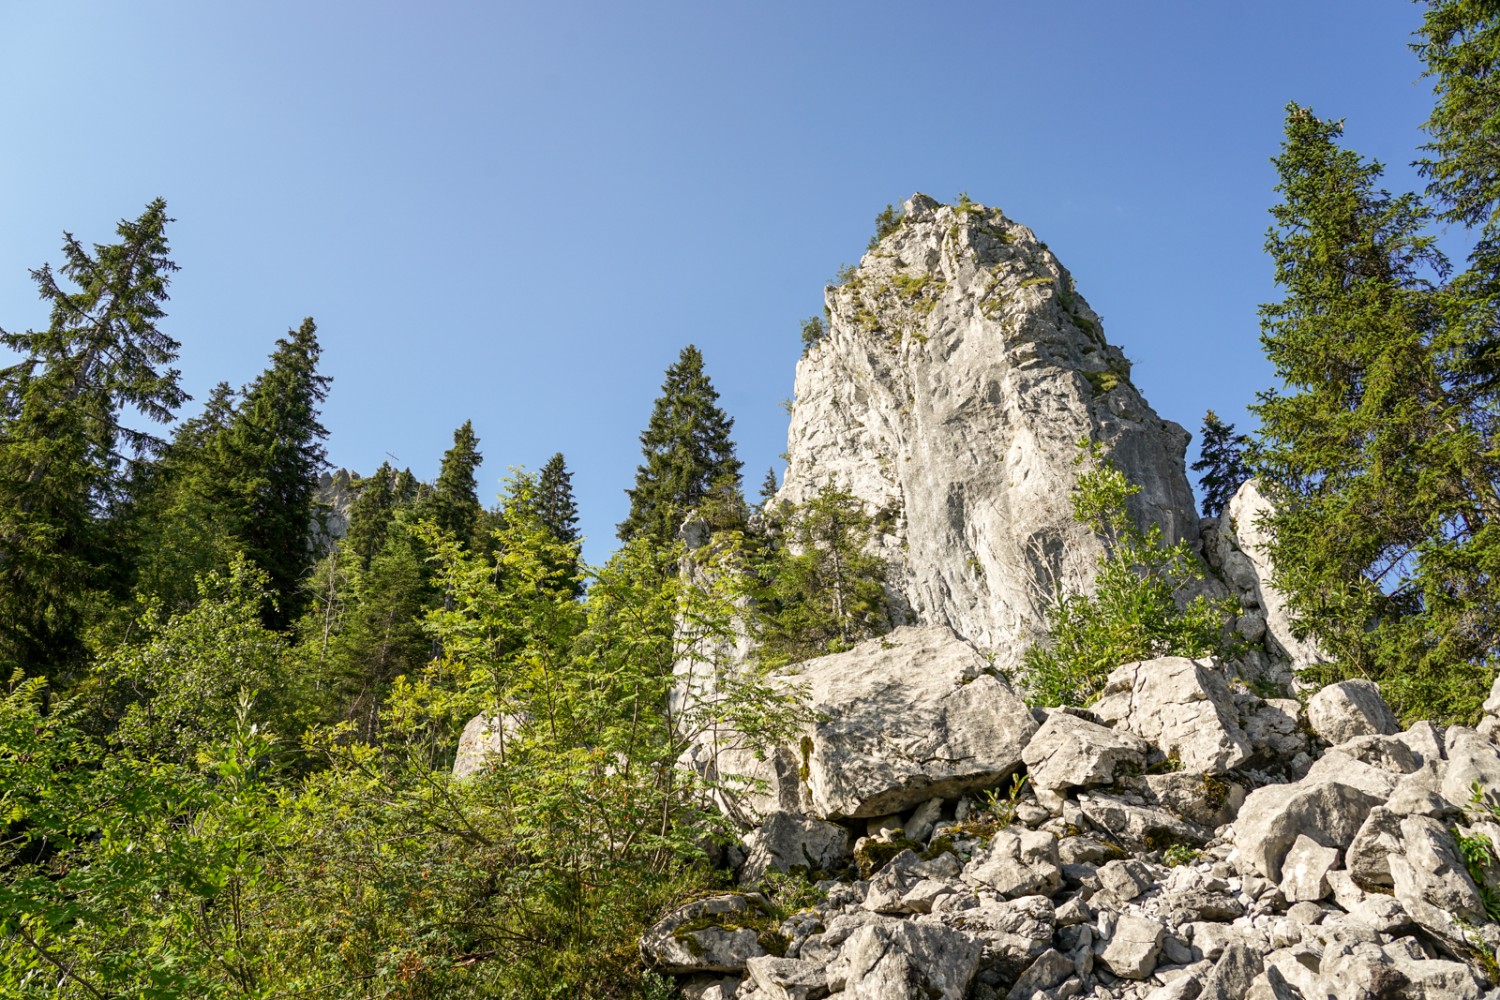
<point>1134,612</point>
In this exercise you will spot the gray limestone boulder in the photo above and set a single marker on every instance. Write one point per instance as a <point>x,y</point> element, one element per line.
<point>484,738</point>
<point>1368,859</point>
<point>1137,827</point>
<point>1013,933</point>
<point>785,842</point>
<point>1327,811</point>
<point>1472,759</point>
<point>1239,546</point>
<point>1343,711</point>
<point>1429,877</point>
<point>1069,752</point>
<point>905,718</point>
<point>1019,862</point>
<point>717,934</point>
<point>960,368</point>
<point>1205,799</point>
<point>1304,871</point>
<point>1129,945</point>
<point>787,978</point>
<point>906,959</point>
<point>1182,706</point>
<point>1233,973</point>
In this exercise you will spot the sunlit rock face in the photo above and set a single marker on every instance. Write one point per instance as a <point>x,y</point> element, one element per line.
<point>959,371</point>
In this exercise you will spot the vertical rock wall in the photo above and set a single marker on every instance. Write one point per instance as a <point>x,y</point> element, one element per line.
<point>959,370</point>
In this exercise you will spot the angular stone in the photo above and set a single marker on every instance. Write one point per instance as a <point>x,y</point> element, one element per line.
<point>1273,817</point>
<point>1430,879</point>
<point>1183,706</point>
<point>1342,711</point>
<point>1131,948</point>
<point>890,962</point>
<point>1049,970</point>
<point>1013,933</point>
<point>787,978</point>
<point>1019,862</point>
<point>910,716</point>
<point>1069,752</point>
<point>1140,828</point>
<point>1368,859</point>
<point>1304,872</point>
<point>785,842</point>
<point>707,935</point>
<point>1125,880</point>
<point>1233,973</point>
<point>1274,729</point>
<point>484,737</point>
<point>1471,758</point>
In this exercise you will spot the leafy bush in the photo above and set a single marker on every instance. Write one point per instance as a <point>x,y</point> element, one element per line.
<point>1137,610</point>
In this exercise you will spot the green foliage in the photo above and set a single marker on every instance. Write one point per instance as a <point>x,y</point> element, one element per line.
<point>813,332</point>
<point>1459,42</point>
<point>1138,609</point>
<point>1221,459</point>
<point>823,591</point>
<point>1380,448</point>
<point>688,455</point>
<point>887,222</point>
<point>1002,807</point>
<point>555,504</point>
<point>453,506</point>
<point>65,452</point>
<point>1180,854</point>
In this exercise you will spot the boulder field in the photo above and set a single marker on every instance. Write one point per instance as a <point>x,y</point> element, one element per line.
<point>1186,838</point>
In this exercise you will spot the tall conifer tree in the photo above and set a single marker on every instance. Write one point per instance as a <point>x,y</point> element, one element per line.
<point>1221,459</point>
<point>271,455</point>
<point>454,503</point>
<point>1379,447</point>
<point>554,499</point>
<point>65,449</point>
<point>689,454</point>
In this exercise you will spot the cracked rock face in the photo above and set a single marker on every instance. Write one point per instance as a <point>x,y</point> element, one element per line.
<point>960,369</point>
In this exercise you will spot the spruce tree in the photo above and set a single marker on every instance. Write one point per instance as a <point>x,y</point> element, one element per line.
<point>66,453</point>
<point>1221,459</point>
<point>768,488</point>
<point>454,504</point>
<point>270,456</point>
<point>688,452</point>
<point>1460,43</point>
<point>554,499</point>
<point>1379,448</point>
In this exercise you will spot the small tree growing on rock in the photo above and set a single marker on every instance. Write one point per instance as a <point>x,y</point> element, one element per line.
<point>1135,612</point>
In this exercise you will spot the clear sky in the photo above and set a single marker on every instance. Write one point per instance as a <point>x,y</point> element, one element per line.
<point>518,213</point>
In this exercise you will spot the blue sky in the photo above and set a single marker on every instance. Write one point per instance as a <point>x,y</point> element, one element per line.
<point>518,213</point>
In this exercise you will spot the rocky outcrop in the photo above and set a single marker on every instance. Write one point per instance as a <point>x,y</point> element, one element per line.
<point>483,738</point>
<point>913,715</point>
<point>960,369</point>
<point>1237,546</point>
<point>1349,881</point>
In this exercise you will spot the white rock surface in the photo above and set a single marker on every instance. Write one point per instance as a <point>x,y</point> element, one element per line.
<point>1239,547</point>
<point>959,371</point>
<point>484,736</point>
<point>1069,752</point>
<point>1183,706</point>
<point>1348,709</point>
<point>904,718</point>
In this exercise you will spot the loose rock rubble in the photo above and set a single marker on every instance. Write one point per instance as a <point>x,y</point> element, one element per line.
<point>1115,871</point>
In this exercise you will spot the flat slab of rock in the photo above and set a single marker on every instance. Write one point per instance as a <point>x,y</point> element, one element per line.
<point>913,715</point>
<point>787,978</point>
<point>1342,711</point>
<point>1304,871</point>
<point>1183,706</point>
<point>1069,752</point>
<point>706,935</point>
